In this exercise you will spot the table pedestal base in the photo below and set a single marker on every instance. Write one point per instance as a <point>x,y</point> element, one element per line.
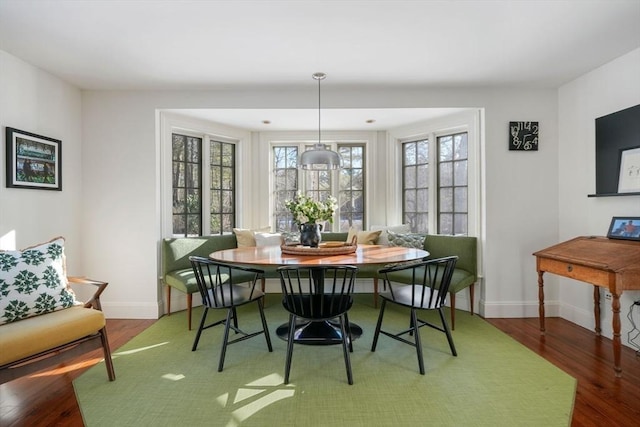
<point>317,333</point>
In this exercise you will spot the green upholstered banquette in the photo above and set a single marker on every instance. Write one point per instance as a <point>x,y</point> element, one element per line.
<point>177,272</point>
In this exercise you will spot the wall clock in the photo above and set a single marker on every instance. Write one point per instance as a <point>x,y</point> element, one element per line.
<point>523,136</point>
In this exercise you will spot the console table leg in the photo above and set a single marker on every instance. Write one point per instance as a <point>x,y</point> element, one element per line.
<point>596,308</point>
<point>615,306</point>
<point>541,301</point>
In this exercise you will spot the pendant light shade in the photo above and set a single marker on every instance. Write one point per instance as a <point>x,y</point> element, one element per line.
<point>319,157</point>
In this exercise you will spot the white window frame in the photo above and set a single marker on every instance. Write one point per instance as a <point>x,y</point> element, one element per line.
<point>468,121</point>
<point>171,123</point>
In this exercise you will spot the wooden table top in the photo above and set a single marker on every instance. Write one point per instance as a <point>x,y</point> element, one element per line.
<point>597,252</point>
<point>364,254</point>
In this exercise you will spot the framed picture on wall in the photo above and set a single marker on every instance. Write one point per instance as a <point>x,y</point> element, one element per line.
<point>624,227</point>
<point>629,175</point>
<point>33,161</point>
<point>523,136</point>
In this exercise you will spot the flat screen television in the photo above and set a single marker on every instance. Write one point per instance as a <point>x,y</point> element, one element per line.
<point>615,133</point>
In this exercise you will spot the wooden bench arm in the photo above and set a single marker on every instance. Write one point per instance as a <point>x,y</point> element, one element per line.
<point>95,299</point>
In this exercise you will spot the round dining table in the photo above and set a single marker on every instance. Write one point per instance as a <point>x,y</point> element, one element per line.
<point>318,332</point>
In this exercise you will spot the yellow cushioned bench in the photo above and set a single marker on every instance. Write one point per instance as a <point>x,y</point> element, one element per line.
<point>42,341</point>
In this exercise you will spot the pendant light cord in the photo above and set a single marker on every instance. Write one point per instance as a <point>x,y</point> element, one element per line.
<point>319,110</point>
<point>319,77</point>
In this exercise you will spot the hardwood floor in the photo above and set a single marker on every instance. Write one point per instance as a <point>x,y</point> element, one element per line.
<point>601,399</point>
<point>48,399</point>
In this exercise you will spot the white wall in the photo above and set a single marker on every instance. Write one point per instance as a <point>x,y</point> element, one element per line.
<point>610,88</point>
<point>121,181</point>
<point>35,101</point>
<point>109,206</point>
<point>110,203</point>
<point>119,222</point>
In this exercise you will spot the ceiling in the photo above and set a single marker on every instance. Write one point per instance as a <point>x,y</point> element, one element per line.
<point>199,45</point>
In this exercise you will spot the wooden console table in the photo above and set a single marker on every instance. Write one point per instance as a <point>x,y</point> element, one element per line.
<point>602,262</point>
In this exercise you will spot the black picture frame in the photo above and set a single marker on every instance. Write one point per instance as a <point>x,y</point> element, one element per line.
<point>523,136</point>
<point>33,161</point>
<point>625,228</point>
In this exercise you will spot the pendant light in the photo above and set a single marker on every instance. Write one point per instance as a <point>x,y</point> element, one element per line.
<point>319,157</point>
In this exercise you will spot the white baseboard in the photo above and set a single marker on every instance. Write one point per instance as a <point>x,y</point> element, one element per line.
<point>128,310</point>
<point>586,318</point>
<point>154,310</point>
<point>517,309</point>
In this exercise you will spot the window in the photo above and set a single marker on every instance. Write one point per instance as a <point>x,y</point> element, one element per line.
<point>452,184</point>
<point>223,198</point>
<point>187,194</point>
<point>351,196</point>
<point>415,184</point>
<point>286,184</point>
<point>191,175</point>
<point>347,185</point>
<point>449,182</point>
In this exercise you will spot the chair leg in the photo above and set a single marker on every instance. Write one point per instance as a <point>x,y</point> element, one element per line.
<point>452,299</point>
<point>225,340</point>
<point>189,306</point>
<point>107,354</point>
<point>292,330</point>
<point>376,334</point>
<point>235,318</point>
<point>448,332</point>
<point>200,328</point>
<point>375,292</point>
<point>265,328</point>
<point>168,300</point>
<point>416,329</point>
<point>348,328</point>
<point>471,292</point>
<point>412,324</point>
<point>345,350</point>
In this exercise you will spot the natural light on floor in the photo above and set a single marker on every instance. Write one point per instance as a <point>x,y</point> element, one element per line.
<point>249,399</point>
<point>137,350</point>
<point>267,390</point>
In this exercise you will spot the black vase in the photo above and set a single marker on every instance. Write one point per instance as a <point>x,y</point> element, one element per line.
<point>310,234</point>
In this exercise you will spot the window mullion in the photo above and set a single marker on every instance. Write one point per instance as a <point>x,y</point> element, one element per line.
<point>206,186</point>
<point>434,182</point>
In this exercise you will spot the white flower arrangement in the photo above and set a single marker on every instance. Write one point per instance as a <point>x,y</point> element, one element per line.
<point>305,210</point>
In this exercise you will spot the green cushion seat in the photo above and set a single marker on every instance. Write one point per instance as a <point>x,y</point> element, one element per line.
<point>185,280</point>
<point>460,278</point>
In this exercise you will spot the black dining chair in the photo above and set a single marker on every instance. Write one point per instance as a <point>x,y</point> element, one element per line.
<point>219,289</point>
<point>430,280</point>
<point>314,296</point>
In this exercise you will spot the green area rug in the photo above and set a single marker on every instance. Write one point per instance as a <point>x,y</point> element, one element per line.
<point>494,381</point>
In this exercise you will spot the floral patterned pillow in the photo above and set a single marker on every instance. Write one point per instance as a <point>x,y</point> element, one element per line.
<point>33,281</point>
<point>408,240</point>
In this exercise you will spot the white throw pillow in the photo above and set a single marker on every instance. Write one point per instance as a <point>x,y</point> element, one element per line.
<point>246,237</point>
<point>268,239</point>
